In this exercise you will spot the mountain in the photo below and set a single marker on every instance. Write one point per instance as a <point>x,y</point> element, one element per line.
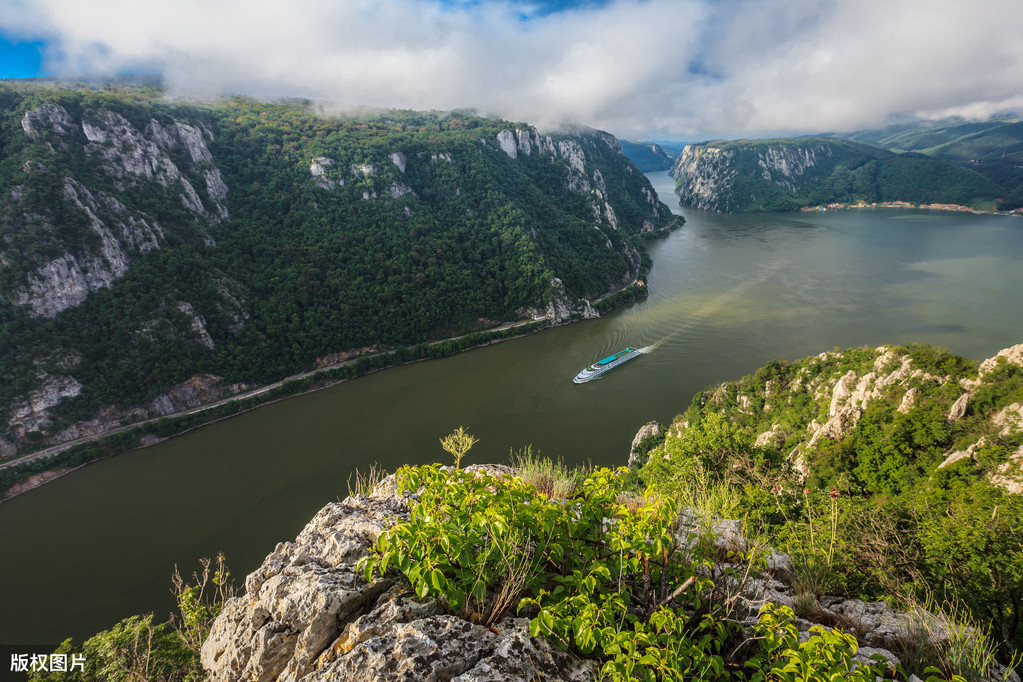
<point>788,174</point>
<point>649,157</point>
<point>993,148</point>
<point>157,254</point>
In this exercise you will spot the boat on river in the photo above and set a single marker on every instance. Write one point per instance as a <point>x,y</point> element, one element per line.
<point>606,365</point>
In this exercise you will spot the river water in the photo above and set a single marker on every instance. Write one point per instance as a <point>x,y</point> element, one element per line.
<point>727,294</point>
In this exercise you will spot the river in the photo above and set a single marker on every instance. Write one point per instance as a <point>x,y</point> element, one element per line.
<point>727,294</point>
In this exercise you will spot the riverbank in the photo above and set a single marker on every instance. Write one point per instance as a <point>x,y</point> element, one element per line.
<point>38,468</point>
<point>958,208</point>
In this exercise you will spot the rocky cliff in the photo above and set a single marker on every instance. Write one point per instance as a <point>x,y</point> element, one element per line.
<point>788,174</point>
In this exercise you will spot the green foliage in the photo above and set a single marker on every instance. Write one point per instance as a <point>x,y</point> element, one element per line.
<point>875,517</point>
<point>549,478</point>
<point>458,443</point>
<point>827,656</point>
<point>132,651</point>
<point>993,148</point>
<point>606,578</point>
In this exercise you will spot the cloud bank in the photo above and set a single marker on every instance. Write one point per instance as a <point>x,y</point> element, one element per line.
<point>639,68</point>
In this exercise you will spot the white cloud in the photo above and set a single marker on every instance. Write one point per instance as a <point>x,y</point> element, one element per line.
<point>640,68</point>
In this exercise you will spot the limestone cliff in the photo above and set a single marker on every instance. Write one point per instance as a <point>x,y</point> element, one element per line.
<point>788,174</point>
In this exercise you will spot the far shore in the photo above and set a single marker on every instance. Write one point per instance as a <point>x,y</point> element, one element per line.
<point>959,208</point>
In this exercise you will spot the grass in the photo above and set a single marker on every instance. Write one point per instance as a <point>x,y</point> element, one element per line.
<point>551,479</point>
<point>362,484</point>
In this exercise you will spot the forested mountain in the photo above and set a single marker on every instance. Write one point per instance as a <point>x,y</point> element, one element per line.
<point>789,174</point>
<point>993,148</point>
<point>648,156</point>
<point>144,242</point>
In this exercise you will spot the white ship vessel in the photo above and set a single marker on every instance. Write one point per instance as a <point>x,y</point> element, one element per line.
<point>605,365</point>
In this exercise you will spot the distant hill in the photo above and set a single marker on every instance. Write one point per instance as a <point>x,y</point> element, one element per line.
<point>788,174</point>
<point>649,157</point>
<point>993,148</point>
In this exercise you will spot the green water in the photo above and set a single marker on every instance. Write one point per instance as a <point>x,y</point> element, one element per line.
<point>728,293</point>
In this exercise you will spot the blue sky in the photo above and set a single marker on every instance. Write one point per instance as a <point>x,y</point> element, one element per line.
<point>20,59</point>
<point>693,69</point>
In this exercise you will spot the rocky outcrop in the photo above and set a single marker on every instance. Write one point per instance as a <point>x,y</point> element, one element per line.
<point>199,390</point>
<point>852,393</point>
<point>67,280</point>
<point>306,614</point>
<point>133,159</point>
<point>562,308</point>
<point>1012,355</point>
<point>33,414</point>
<point>645,431</point>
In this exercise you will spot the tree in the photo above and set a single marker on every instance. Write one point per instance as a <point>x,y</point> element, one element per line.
<point>458,442</point>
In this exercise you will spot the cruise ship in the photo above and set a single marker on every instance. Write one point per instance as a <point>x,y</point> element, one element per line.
<point>605,365</point>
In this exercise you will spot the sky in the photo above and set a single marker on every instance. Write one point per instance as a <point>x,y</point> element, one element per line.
<point>641,69</point>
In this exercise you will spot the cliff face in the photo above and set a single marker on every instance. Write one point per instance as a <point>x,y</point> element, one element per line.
<point>741,176</point>
<point>785,175</point>
<point>130,159</point>
<point>144,243</point>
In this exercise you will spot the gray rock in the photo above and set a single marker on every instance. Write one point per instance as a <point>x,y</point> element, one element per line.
<point>958,410</point>
<point>517,656</point>
<point>651,429</point>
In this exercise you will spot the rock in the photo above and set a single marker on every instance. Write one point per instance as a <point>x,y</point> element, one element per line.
<point>517,656</point>
<point>772,438</point>
<point>1012,355</point>
<point>908,400</point>
<point>302,596</point>
<point>876,624</point>
<point>1009,419</point>
<point>958,409</point>
<point>306,615</point>
<point>562,309</point>
<point>436,648</point>
<point>318,170</point>
<point>1010,474</point>
<point>506,139</point>
<point>33,414</point>
<point>399,160</point>
<point>645,431</point>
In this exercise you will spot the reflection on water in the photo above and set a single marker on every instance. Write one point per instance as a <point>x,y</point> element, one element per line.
<point>727,294</point>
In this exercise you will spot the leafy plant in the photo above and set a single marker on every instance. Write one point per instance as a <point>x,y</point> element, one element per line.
<point>458,443</point>
<point>826,656</point>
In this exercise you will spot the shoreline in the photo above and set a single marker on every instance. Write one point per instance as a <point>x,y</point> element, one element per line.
<point>954,208</point>
<point>320,381</point>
